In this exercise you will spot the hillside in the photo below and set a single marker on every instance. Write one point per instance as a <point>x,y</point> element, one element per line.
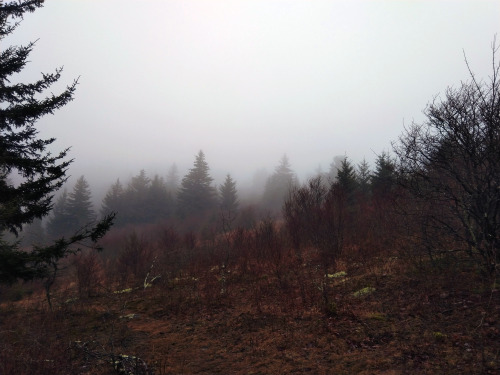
<point>384,316</point>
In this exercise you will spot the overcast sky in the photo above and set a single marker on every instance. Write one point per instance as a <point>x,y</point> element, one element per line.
<point>247,81</point>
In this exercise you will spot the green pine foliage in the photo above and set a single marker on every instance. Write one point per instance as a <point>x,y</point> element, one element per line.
<point>25,158</point>
<point>80,207</point>
<point>346,177</point>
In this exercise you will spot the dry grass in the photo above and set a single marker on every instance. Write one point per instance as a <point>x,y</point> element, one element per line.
<point>262,315</point>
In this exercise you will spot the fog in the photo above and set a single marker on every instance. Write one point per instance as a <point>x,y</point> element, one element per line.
<point>246,81</point>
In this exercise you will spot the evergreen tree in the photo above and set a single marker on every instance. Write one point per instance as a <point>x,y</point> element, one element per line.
<point>135,198</point>
<point>34,234</point>
<point>364,178</point>
<point>229,196</point>
<point>159,201</point>
<point>334,168</point>
<point>113,202</point>
<point>384,177</point>
<point>346,177</point>
<point>21,151</point>
<point>196,194</point>
<point>40,173</point>
<point>346,182</point>
<point>278,185</point>
<point>80,208</point>
<point>172,180</point>
<point>60,221</point>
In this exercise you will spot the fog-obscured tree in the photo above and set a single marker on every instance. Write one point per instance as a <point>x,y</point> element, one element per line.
<point>172,180</point>
<point>363,176</point>
<point>113,202</point>
<point>39,173</point>
<point>79,205</point>
<point>136,199</point>
<point>228,201</point>
<point>196,194</point>
<point>33,234</point>
<point>59,223</point>
<point>278,185</point>
<point>160,203</point>
<point>335,165</point>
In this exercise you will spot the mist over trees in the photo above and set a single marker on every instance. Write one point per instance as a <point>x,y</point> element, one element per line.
<point>278,185</point>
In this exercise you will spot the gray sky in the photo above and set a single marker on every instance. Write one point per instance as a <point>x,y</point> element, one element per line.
<point>247,81</point>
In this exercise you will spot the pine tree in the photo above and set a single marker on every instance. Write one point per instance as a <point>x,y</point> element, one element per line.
<point>334,168</point>
<point>39,173</point>
<point>196,194</point>
<point>384,177</point>
<point>34,234</point>
<point>21,151</point>
<point>278,185</point>
<point>59,224</point>
<point>346,177</point>
<point>136,196</point>
<point>113,202</point>
<point>364,178</point>
<point>172,180</point>
<point>229,196</point>
<point>80,207</point>
<point>159,201</point>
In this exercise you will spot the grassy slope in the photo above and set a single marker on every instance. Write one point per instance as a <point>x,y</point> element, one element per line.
<point>413,322</point>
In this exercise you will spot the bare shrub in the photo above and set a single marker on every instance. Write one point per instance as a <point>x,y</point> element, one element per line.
<point>135,259</point>
<point>89,273</point>
<point>450,167</point>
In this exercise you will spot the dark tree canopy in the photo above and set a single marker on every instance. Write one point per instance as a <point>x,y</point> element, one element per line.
<point>160,202</point>
<point>80,207</point>
<point>229,195</point>
<point>346,177</point>
<point>25,158</point>
<point>113,201</point>
<point>135,199</point>
<point>21,153</point>
<point>384,177</point>
<point>363,177</point>
<point>196,194</point>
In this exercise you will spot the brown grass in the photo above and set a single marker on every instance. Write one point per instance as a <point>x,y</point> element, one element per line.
<point>259,312</point>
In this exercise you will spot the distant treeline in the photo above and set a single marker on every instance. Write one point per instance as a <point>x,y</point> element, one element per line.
<point>194,201</point>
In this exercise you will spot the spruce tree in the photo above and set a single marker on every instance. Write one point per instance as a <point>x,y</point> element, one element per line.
<point>38,172</point>
<point>346,177</point>
<point>384,177</point>
<point>21,152</point>
<point>113,201</point>
<point>364,178</point>
<point>159,202</point>
<point>172,180</point>
<point>229,196</point>
<point>196,194</point>
<point>59,223</point>
<point>80,207</point>
<point>136,197</point>
<point>278,185</point>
